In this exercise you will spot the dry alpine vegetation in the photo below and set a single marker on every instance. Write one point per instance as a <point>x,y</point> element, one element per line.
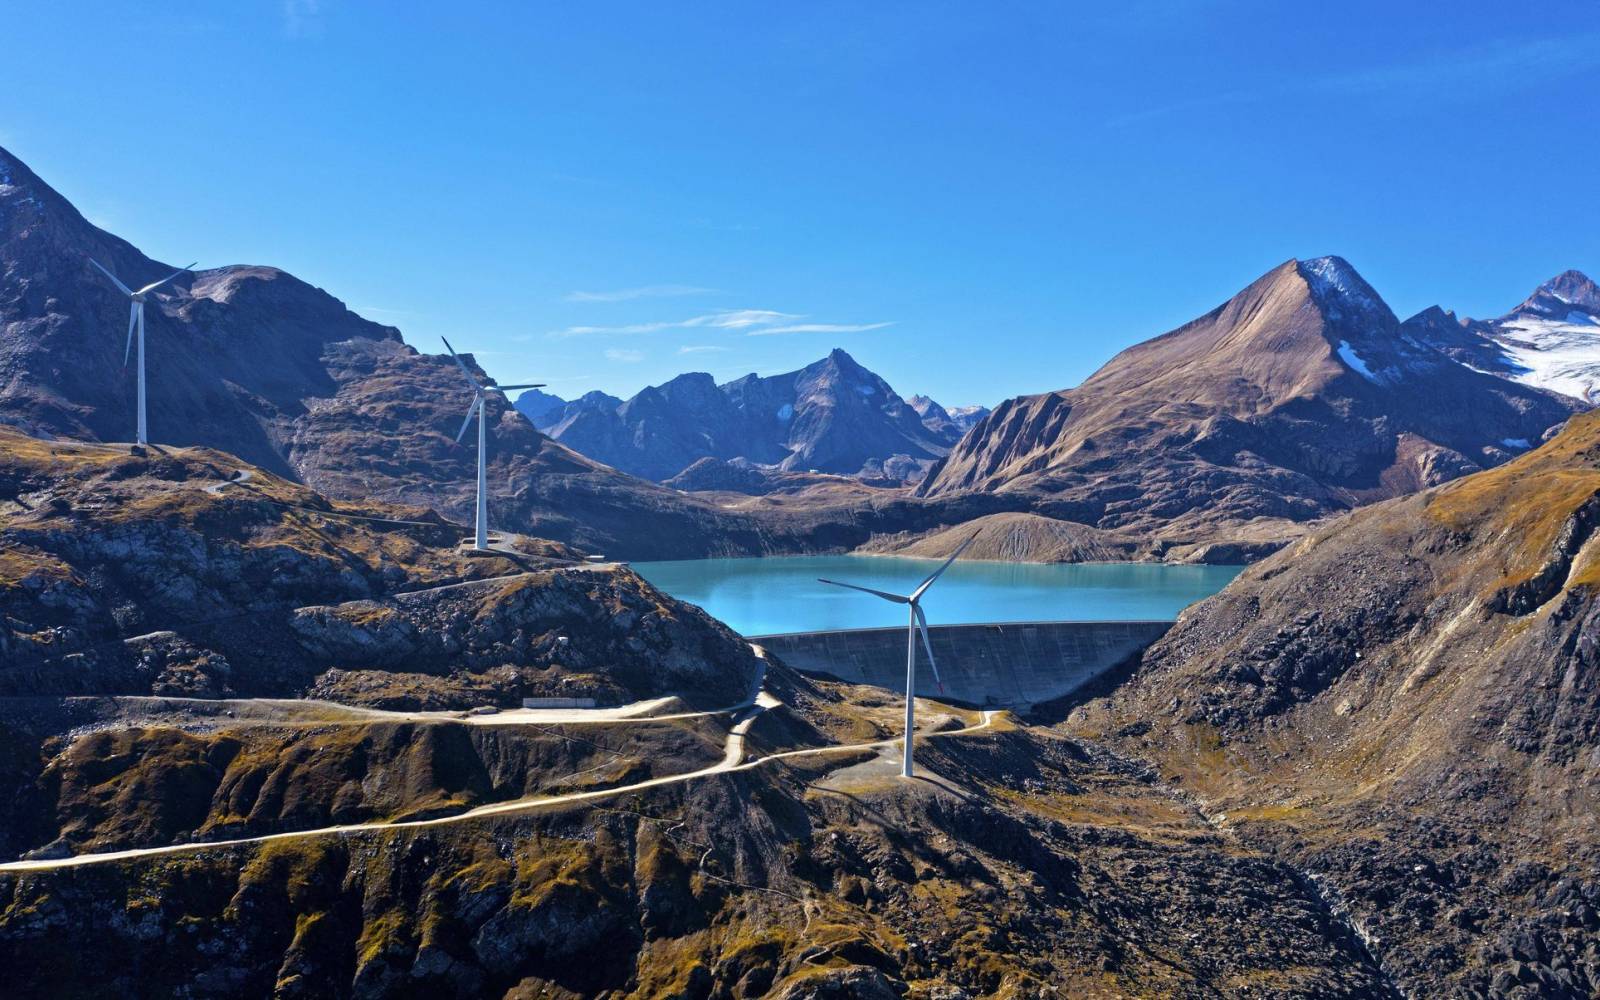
<point>1406,706</point>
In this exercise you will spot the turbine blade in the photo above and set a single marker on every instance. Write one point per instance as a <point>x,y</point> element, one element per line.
<point>531,385</point>
<point>471,412</point>
<point>157,284</point>
<point>924,585</point>
<point>124,288</point>
<point>922,628</point>
<point>461,365</point>
<point>868,590</point>
<point>133,321</point>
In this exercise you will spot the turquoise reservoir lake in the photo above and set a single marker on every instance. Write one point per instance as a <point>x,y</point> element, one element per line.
<point>781,594</point>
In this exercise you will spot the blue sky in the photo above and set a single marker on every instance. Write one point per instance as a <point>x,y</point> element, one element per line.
<point>976,200</point>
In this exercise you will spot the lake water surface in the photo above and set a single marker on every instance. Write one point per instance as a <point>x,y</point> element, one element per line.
<point>781,594</point>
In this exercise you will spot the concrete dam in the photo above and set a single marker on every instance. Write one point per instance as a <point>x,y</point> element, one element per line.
<point>1009,665</point>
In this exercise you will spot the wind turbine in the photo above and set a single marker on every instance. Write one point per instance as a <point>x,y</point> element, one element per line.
<point>136,321</point>
<point>919,623</point>
<point>480,540</point>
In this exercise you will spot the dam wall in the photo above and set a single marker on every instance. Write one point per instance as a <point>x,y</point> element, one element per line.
<point>1010,665</point>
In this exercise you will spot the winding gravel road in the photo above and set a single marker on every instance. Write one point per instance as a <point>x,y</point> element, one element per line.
<point>732,760</point>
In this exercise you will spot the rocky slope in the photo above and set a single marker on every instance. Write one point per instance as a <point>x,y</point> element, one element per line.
<point>1300,396</point>
<point>1406,706</point>
<point>171,574</point>
<point>830,416</point>
<point>1551,340</point>
<point>1060,871</point>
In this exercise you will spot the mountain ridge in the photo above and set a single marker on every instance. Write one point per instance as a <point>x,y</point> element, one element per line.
<point>831,416</point>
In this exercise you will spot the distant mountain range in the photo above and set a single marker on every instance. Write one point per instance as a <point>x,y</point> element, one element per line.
<point>1299,396</point>
<point>830,416</point>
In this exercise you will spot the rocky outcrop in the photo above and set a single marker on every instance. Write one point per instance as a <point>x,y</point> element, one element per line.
<point>1013,537</point>
<point>604,635</point>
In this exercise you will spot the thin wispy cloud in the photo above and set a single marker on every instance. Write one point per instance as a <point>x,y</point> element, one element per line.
<point>727,319</point>
<point>741,319</point>
<point>821,328</point>
<point>701,349</point>
<point>624,355</point>
<point>642,292</point>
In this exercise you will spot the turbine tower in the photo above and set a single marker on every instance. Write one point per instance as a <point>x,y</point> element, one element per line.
<point>136,321</point>
<point>919,623</point>
<point>480,541</point>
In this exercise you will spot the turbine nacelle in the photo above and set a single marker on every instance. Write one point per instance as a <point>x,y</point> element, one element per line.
<point>479,388</point>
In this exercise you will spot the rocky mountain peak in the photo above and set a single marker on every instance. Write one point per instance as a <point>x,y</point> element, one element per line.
<point>1342,293</point>
<point>21,191</point>
<point>927,408</point>
<point>1567,293</point>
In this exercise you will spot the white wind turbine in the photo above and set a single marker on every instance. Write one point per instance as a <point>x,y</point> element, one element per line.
<point>919,623</point>
<point>136,321</point>
<point>480,540</point>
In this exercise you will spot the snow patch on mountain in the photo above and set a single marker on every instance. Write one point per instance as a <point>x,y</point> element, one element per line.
<point>1348,355</point>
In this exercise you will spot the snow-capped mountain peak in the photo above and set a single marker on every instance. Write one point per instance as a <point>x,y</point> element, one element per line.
<point>1551,340</point>
<point>1569,296</point>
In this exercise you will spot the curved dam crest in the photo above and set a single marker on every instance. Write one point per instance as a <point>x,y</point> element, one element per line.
<point>1004,664</point>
